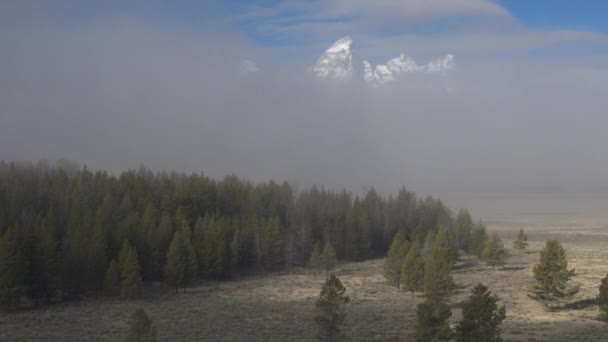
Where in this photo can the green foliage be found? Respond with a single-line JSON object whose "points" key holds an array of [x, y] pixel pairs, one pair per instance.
{"points": [[552, 274], [444, 240], [140, 328], [432, 321], [412, 271], [479, 238], [40, 250], [315, 262], [494, 253], [393, 261], [331, 310], [130, 272], [602, 300], [272, 244], [181, 269], [13, 270], [437, 278], [111, 282], [481, 317], [328, 257], [462, 229], [521, 241]]}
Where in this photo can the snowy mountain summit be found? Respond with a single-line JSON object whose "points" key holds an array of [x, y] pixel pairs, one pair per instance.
{"points": [[337, 63]]}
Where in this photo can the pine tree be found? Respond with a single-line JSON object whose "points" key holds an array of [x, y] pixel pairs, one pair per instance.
{"points": [[552, 274], [437, 278], [444, 240], [603, 300], [394, 259], [272, 244], [328, 258], [181, 269], [42, 264], [140, 328], [494, 253], [111, 281], [432, 321], [412, 271], [521, 242], [130, 272], [315, 262], [331, 310], [429, 241], [462, 229], [479, 237], [13, 270], [481, 317]]}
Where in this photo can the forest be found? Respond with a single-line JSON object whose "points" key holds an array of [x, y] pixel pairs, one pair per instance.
{"points": [[69, 232]]}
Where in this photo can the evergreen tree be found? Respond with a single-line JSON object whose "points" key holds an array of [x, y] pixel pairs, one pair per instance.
{"points": [[603, 300], [315, 262], [13, 270], [42, 264], [444, 240], [216, 249], [429, 241], [412, 271], [552, 274], [111, 281], [331, 310], [432, 321], [394, 259], [437, 278], [272, 244], [328, 258], [181, 269], [140, 328], [521, 242], [481, 317], [130, 272], [494, 253], [462, 228], [479, 237]]}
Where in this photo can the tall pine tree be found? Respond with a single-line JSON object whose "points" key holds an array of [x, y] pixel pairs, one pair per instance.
{"points": [[13, 270], [432, 321], [552, 274], [481, 317], [130, 272], [394, 259], [412, 271], [181, 269], [331, 310]]}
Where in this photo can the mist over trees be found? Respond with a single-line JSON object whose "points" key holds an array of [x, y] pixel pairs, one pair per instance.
{"points": [[68, 232]]}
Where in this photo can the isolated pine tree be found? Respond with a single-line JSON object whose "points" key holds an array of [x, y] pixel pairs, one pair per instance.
{"points": [[394, 259], [328, 258], [437, 278], [521, 241], [331, 310], [13, 270], [315, 263], [111, 281], [603, 300], [130, 272], [481, 317], [412, 271], [432, 321], [140, 328], [552, 274], [494, 253]]}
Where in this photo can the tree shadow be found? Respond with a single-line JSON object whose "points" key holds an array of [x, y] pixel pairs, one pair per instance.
{"points": [[577, 305]]}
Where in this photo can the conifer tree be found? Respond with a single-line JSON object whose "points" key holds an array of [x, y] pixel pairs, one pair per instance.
{"points": [[521, 242], [394, 259], [429, 241], [481, 317], [432, 321], [181, 269], [130, 272], [437, 278], [444, 240], [42, 264], [315, 262], [13, 270], [462, 229], [603, 300], [479, 237], [111, 281], [494, 253], [140, 328], [331, 310], [328, 258], [552, 274], [412, 271], [272, 244]]}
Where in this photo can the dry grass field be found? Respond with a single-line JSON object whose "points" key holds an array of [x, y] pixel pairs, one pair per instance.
{"points": [[279, 307]]}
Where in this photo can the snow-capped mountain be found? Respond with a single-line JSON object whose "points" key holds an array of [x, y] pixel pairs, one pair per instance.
{"points": [[337, 63]]}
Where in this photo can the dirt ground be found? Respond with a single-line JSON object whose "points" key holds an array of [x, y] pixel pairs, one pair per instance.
{"points": [[280, 307]]}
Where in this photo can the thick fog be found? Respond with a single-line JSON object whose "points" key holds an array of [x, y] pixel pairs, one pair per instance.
{"points": [[120, 94]]}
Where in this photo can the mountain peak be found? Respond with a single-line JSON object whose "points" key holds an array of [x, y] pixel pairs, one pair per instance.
{"points": [[337, 61]]}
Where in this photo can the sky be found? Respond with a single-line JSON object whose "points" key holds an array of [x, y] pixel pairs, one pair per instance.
{"points": [[118, 84]]}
